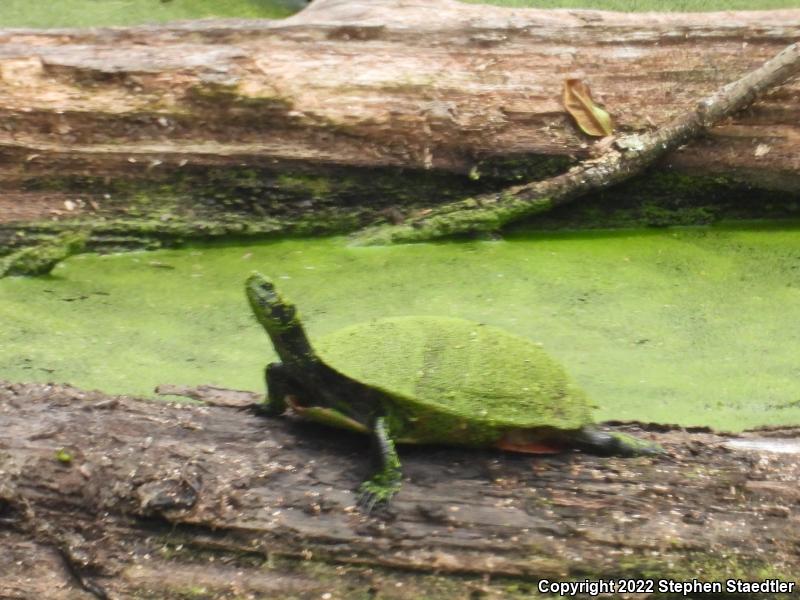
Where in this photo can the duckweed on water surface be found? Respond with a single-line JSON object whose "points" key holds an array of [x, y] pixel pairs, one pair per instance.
{"points": [[695, 326], [91, 13], [647, 5], [95, 13]]}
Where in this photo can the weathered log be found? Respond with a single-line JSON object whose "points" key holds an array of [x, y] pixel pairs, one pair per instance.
{"points": [[335, 117], [120, 498], [628, 157]]}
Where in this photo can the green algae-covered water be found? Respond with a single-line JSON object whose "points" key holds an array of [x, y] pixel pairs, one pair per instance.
{"points": [[90, 13], [696, 326]]}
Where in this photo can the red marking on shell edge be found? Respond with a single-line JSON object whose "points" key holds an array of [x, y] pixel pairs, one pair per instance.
{"points": [[531, 447]]}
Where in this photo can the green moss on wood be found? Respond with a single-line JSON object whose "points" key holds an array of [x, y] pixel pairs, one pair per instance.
{"points": [[169, 205], [41, 258]]}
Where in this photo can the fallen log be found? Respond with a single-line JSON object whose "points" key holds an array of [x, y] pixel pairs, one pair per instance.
{"points": [[628, 157], [352, 110], [118, 498]]}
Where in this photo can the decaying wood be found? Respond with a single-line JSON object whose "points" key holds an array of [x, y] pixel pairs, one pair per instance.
{"points": [[160, 500], [218, 113], [630, 156]]}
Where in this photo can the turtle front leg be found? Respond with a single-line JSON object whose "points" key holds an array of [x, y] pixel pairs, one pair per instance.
{"points": [[598, 442], [385, 482], [279, 385]]}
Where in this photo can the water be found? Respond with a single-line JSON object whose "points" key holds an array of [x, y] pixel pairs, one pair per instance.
{"points": [[693, 327], [773, 445]]}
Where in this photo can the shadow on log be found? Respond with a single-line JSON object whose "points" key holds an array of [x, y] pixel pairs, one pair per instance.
{"points": [[119, 498]]}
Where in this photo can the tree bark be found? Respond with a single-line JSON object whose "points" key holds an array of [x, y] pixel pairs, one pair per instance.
{"points": [[352, 109], [119, 498]]}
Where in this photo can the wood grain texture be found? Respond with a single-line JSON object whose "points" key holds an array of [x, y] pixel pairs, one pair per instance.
{"points": [[162, 497], [386, 82]]}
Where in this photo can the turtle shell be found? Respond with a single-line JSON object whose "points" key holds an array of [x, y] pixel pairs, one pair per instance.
{"points": [[474, 372]]}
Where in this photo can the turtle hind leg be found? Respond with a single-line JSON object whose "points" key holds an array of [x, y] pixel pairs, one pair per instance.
{"points": [[279, 385], [601, 443], [385, 482]]}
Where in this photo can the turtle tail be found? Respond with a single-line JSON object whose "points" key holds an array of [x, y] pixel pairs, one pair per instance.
{"points": [[279, 319]]}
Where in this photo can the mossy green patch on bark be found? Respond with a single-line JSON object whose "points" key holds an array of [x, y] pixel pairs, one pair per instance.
{"points": [[660, 198], [317, 187], [42, 258], [169, 205], [472, 217]]}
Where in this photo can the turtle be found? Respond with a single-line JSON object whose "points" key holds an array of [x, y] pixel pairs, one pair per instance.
{"points": [[426, 380]]}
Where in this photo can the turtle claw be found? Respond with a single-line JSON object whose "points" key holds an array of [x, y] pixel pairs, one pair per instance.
{"points": [[373, 494], [615, 444], [366, 502]]}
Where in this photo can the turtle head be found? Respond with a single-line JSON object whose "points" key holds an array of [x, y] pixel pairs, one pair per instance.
{"points": [[279, 318], [272, 311]]}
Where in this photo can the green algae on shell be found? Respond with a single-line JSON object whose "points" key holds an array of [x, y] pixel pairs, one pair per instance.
{"points": [[457, 380]]}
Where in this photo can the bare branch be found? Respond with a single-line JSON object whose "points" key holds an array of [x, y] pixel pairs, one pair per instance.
{"points": [[632, 154]]}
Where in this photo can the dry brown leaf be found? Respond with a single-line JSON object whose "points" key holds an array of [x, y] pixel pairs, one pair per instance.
{"points": [[592, 119], [762, 150]]}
